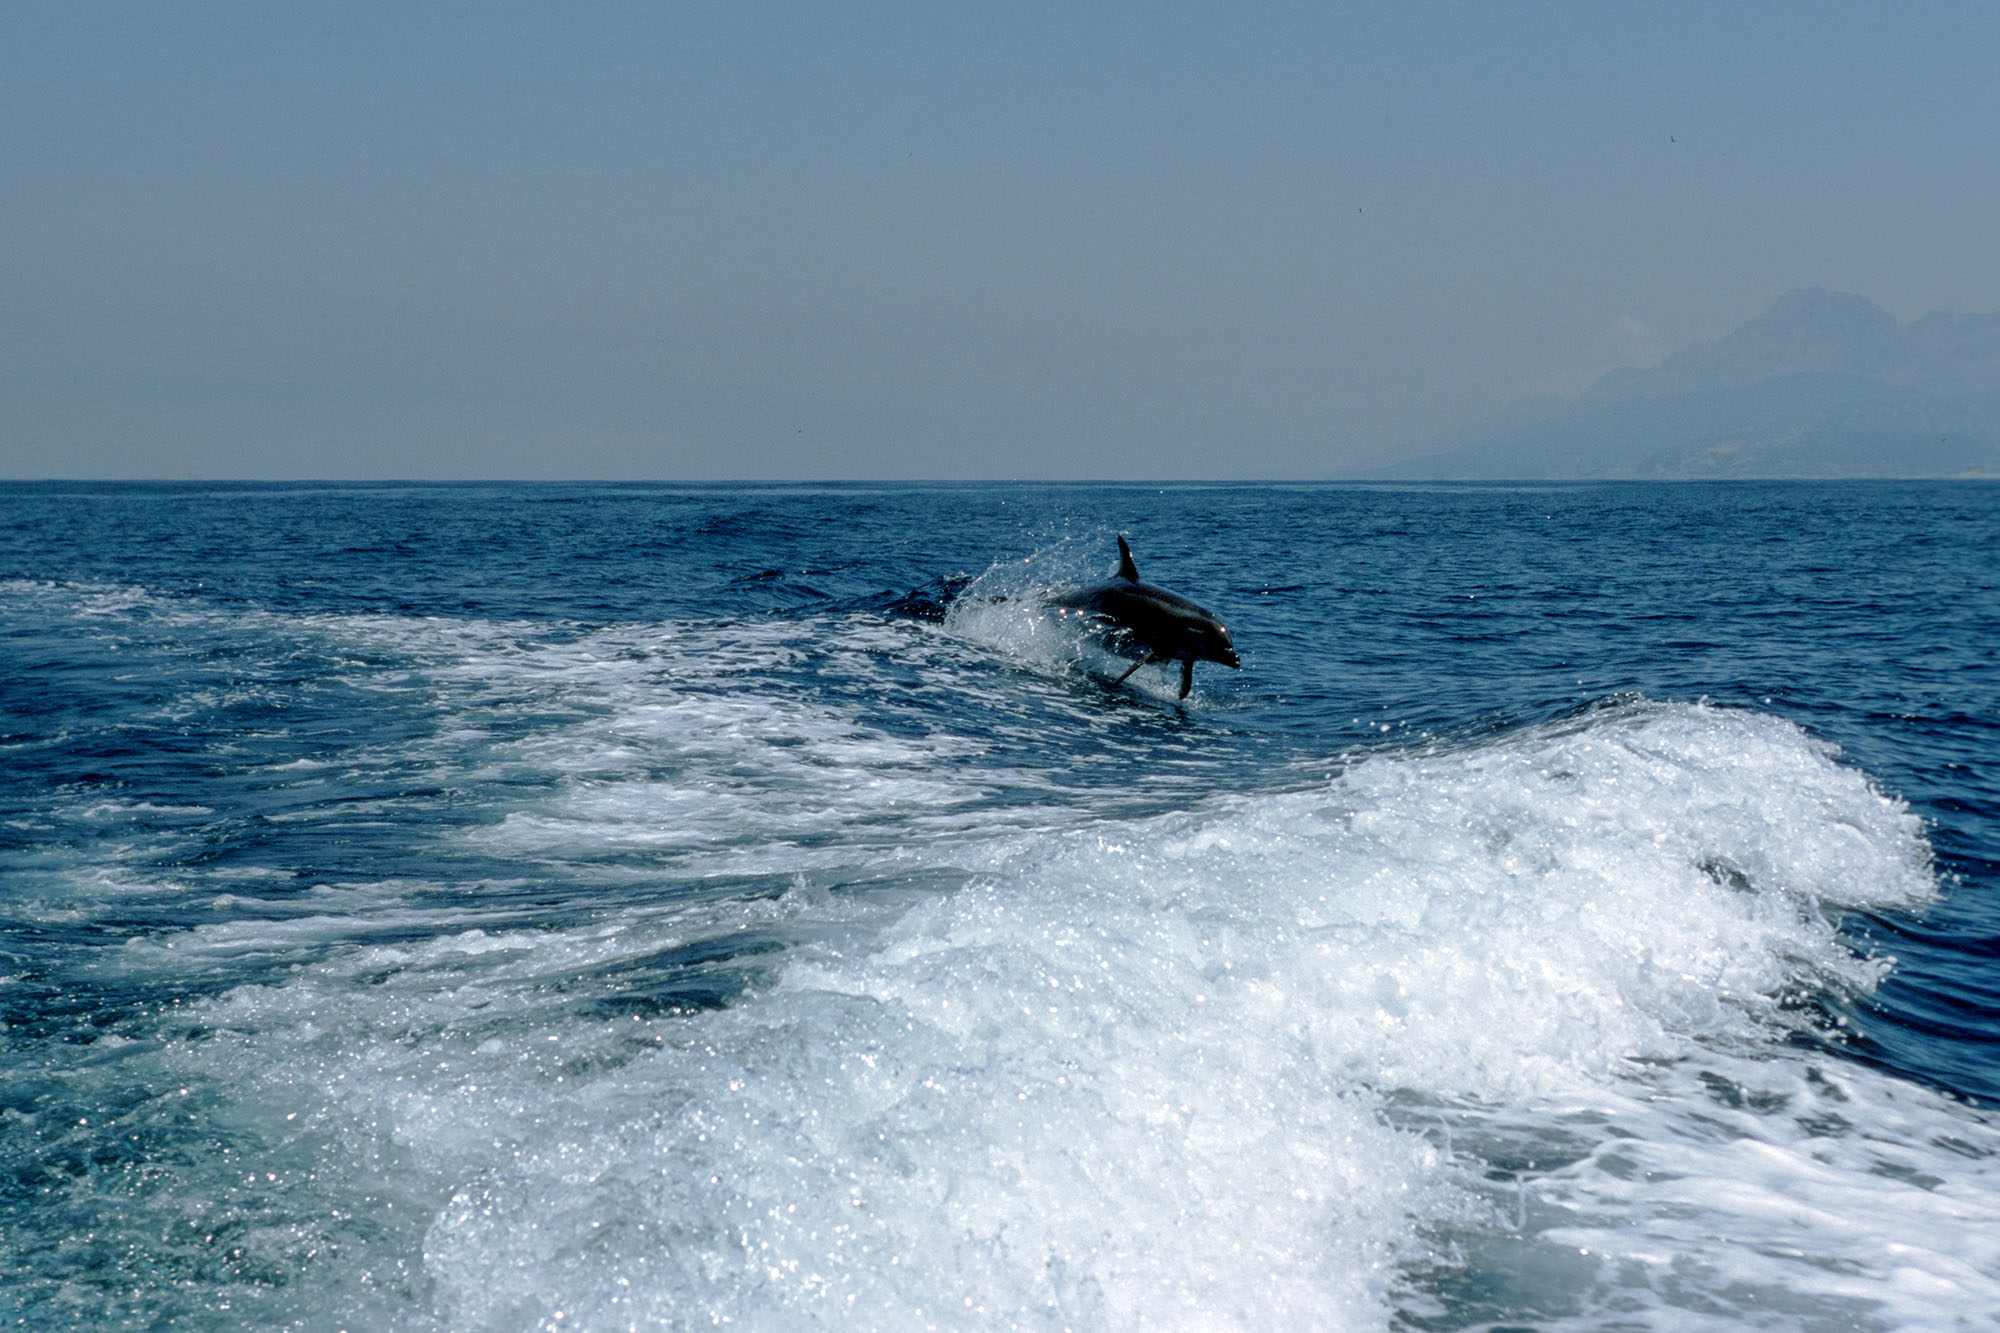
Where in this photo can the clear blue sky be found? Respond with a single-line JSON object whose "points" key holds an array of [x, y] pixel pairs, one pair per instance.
{"points": [[742, 240]]}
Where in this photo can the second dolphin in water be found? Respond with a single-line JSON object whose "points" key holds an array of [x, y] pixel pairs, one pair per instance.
{"points": [[1139, 620]]}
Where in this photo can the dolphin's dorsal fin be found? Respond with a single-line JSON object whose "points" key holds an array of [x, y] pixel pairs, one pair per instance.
{"points": [[1126, 569]]}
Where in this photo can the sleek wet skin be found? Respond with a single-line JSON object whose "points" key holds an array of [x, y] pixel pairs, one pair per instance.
{"points": [[1151, 623]]}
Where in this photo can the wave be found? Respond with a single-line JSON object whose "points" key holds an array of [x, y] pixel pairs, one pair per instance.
{"points": [[737, 971], [1508, 1027]]}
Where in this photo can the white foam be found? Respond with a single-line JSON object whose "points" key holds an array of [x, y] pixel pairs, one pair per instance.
{"points": [[1248, 1065], [1787, 1192], [1257, 1063], [679, 762]]}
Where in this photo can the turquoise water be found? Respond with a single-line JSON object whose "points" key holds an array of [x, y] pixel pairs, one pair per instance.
{"points": [[587, 906]]}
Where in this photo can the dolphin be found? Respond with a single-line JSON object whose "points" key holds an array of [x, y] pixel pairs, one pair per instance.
{"points": [[1138, 619]]}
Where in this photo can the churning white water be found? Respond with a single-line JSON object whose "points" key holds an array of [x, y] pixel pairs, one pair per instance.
{"points": [[1309, 1058]]}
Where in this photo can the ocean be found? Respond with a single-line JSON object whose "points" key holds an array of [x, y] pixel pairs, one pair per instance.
{"points": [[628, 906]]}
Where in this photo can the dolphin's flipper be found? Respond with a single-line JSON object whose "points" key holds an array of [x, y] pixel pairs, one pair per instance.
{"points": [[1129, 670], [1126, 569], [1187, 676]]}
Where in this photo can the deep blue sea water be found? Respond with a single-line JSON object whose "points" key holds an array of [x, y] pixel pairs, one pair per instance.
{"points": [[496, 907]]}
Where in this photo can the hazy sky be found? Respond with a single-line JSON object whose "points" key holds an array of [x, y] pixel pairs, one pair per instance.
{"points": [[936, 240]]}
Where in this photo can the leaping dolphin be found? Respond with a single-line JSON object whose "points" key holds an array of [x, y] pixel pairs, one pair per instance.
{"points": [[1138, 619]]}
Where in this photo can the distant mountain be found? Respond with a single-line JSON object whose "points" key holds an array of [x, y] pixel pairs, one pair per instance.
{"points": [[1823, 384]]}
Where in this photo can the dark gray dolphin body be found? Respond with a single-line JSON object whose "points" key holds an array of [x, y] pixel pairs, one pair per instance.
{"points": [[1139, 620]]}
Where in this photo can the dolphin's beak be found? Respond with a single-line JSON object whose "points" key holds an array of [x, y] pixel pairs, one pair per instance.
{"points": [[1229, 658]]}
